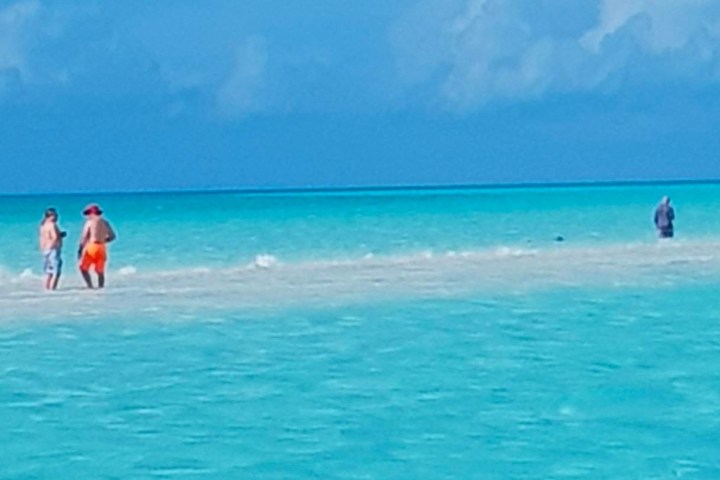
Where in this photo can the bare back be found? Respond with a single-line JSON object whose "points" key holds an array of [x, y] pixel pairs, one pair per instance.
{"points": [[97, 230], [49, 236]]}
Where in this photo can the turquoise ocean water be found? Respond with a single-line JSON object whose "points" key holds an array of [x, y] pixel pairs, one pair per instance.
{"points": [[419, 334]]}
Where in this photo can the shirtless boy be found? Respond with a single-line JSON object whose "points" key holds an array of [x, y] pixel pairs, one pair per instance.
{"points": [[51, 246], [96, 234]]}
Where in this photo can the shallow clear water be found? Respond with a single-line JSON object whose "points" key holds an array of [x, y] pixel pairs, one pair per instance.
{"points": [[571, 383], [470, 348]]}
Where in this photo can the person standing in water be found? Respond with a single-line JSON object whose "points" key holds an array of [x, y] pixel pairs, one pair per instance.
{"points": [[96, 234], [51, 247], [664, 217]]}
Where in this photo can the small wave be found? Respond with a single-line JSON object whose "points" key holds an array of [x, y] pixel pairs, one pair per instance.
{"points": [[514, 252], [264, 261], [27, 273], [25, 276], [129, 270]]}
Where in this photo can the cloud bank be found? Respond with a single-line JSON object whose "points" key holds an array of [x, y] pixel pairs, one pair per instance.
{"points": [[475, 51], [34, 46], [234, 60], [14, 21]]}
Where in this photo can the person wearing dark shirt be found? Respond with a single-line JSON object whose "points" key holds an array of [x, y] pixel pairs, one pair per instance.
{"points": [[664, 217]]}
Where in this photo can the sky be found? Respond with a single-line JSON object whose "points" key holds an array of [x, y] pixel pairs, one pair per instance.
{"points": [[125, 95]]}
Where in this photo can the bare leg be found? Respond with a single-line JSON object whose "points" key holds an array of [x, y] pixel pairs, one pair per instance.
{"points": [[86, 276], [101, 280], [48, 282], [55, 282]]}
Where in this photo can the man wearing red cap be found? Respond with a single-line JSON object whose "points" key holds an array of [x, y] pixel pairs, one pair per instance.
{"points": [[96, 234]]}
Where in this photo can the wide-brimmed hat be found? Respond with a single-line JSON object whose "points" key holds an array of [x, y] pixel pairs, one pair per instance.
{"points": [[92, 209]]}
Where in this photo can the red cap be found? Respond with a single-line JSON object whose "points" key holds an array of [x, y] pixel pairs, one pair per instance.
{"points": [[92, 209]]}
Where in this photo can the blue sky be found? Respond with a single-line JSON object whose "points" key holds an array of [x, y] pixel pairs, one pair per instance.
{"points": [[175, 94]]}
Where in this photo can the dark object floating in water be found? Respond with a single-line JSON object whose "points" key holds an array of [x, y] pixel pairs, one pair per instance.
{"points": [[559, 238]]}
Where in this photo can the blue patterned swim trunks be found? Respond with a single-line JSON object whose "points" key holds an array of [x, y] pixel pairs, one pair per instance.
{"points": [[52, 263]]}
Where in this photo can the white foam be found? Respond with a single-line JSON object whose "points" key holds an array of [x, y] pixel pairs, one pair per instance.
{"points": [[26, 276], [264, 261], [27, 273], [129, 270], [514, 252]]}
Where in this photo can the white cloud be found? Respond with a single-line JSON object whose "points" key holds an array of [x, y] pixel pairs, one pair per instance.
{"points": [[475, 51], [29, 35], [667, 24], [613, 16], [244, 90], [14, 21]]}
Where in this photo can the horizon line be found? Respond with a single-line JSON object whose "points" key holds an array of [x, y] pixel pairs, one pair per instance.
{"points": [[373, 188]]}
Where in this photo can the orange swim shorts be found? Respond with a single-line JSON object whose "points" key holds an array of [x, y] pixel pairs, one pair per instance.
{"points": [[94, 255]]}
